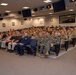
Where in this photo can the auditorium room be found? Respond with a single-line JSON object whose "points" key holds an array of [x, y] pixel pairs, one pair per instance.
{"points": [[37, 37]]}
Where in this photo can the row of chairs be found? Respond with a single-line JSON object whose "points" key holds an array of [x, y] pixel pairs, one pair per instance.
{"points": [[65, 46], [32, 47]]}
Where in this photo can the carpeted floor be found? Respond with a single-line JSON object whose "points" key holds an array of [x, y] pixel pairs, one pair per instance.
{"points": [[12, 64], [62, 52]]}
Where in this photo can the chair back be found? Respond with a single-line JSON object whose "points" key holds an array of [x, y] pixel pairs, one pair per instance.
{"points": [[33, 42]]}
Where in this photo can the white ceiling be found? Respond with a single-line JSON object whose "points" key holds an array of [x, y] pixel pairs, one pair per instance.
{"points": [[16, 5]]}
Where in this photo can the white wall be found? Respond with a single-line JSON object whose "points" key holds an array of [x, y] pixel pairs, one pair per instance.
{"points": [[8, 23], [51, 20], [37, 21], [55, 21], [17, 22]]}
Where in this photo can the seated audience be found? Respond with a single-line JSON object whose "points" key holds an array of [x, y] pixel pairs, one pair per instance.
{"points": [[47, 39], [21, 45]]}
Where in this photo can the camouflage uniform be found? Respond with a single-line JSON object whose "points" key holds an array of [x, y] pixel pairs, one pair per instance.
{"points": [[64, 38], [40, 44], [55, 40], [47, 43], [52, 40]]}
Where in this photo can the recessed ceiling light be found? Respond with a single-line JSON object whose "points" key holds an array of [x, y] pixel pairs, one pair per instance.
{"points": [[7, 11], [71, 10], [32, 12], [72, 0], [68, 16], [66, 7], [33, 15], [50, 13], [25, 7], [47, 1], [4, 4]]}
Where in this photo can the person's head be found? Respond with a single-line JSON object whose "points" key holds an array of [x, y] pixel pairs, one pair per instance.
{"points": [[71, 29], [18, 33], [34, 33], [9, 33], [13, 33], [25, 34], [55, 34], [62, 33], [40, 34], [47, 34], [74, 28]]}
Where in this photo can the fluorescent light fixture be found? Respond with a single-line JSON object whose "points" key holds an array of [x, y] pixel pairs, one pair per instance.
{"points": [[7, 11], [71, 10], [33, 15], [50, 13], [73, 0], [32, 12], [16, 17], [47, 1], [25, 7], [4, 4], [66, 7], [68, 16]]}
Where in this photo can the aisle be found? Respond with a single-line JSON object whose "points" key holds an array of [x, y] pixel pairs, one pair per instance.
{"points": [[12, 64]]}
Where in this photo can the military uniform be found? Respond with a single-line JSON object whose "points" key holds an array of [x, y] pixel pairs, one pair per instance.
{"points": [[47, 43], [24, 41], [51, 40], [74, 34], [55, 42], [74, 38], [34, 36], [40, 44], [64, 38], [64, 41], [70, 35]]}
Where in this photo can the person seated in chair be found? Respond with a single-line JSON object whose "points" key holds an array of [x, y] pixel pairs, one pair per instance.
{"points": [[7, 39], [40, 43], [21, 45], [34, 35], [50, 45], [55, 41], [47, 40], [74, 36], [4, 36], [70, 34], [1, 35], [64, 39], [14, 41]]}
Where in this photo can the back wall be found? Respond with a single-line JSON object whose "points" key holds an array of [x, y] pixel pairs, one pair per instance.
{"points": [[35, 21]]}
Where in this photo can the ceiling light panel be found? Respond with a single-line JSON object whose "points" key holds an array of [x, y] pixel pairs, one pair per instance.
{"points": [[33, 15], [47, 1], [71, 10], [50, 13], [25, 7], [4, 4], [7, 11]]}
